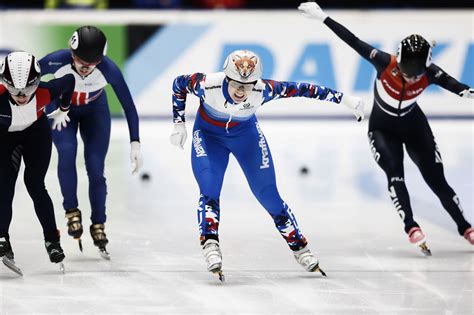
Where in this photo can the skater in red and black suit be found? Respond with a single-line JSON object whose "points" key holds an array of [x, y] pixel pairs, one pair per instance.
{"points": [[397, 120], [26, 134]]}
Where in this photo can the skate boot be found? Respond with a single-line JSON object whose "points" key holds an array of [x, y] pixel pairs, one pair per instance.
{"points": [[55, 253], [469, 235], [74, 225], [417, 238], [6, 248], [213, 256], [306, 259], [100, 239], [6, 253]]}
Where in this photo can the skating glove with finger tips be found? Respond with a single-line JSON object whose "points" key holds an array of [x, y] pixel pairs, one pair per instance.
{"points": [[355, 104], [313, 11], [467, 93], [60, 119], [136, 156], [179, 135]]}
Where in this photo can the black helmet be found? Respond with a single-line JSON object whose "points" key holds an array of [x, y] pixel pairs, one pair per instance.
{"points": [[414, 55], [89, 44], [20, 73]]}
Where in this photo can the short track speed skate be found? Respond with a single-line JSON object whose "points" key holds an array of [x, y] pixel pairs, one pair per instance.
{"points": [[74, 225], [307, 260], [213, 256], [56, 254], [469, 235], [417, 238], [6, 253], [100, 239]]}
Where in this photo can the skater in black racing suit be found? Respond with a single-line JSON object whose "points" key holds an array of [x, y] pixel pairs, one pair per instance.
{"points": [[397, 120]]}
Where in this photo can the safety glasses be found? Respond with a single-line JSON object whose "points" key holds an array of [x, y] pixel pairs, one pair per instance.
{"points": [[82, 64], [247, 87], [27, 91]]}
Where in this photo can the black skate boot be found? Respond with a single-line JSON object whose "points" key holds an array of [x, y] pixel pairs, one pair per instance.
{"points": [[55, 253], [100, 239], [6, 253], [6, 248], [74, 225]]}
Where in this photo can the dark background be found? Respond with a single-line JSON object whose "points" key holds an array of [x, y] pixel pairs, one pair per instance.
{"points": [[257, 4]]}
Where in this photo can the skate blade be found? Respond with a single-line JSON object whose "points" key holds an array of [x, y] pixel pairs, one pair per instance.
{"points": [[104, 254], [61, 268], [217, 270], [425, 250], [10, 264], [79, 241], [317, 269], [220, 274]]}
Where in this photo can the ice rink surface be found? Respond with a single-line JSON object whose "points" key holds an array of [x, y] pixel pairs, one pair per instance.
{"points": [[342, 207]]}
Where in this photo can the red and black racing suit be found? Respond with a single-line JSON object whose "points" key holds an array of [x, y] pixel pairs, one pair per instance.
{"points": [[397, 120]]}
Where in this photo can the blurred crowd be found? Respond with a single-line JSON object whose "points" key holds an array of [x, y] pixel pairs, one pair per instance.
{"points": [[227, 4]]}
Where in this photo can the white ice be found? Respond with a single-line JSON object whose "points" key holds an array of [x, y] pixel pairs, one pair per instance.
{"points": [[342, 207]]}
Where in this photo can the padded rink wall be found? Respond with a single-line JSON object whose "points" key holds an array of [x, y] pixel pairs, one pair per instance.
{"points": [[154, 47]]}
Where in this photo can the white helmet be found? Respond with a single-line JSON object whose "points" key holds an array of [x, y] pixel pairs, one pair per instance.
{"points": [[243, 66], [20, 73]]}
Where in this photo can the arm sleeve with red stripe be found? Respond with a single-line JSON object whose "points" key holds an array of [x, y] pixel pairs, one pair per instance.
{"points": [[281, 89]]}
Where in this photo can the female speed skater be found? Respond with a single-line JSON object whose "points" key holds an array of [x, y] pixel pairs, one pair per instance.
{"points": [[25, 134], [397, 120], [226, 123], [86, 59]]}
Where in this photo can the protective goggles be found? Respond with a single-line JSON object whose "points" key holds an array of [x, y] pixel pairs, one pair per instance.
{"points": [[27, 91], [82, 64], [240, 85]]}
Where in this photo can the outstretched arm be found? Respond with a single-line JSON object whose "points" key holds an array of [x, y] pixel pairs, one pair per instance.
{"points": [[280, 89], [378, 58], [438, 76]]}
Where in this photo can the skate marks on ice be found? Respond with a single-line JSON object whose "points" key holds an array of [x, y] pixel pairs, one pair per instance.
{"points": [[371, 269]]}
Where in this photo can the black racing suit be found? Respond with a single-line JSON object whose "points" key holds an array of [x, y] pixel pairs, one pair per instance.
{"points": [[25, 133], [397, 120]]}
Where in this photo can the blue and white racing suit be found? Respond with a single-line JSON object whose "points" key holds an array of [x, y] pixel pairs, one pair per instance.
{"points": [[223, 127]]}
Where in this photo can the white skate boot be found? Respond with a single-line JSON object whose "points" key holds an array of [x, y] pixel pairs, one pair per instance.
{"points": [[213, 256], [306, 259]]}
